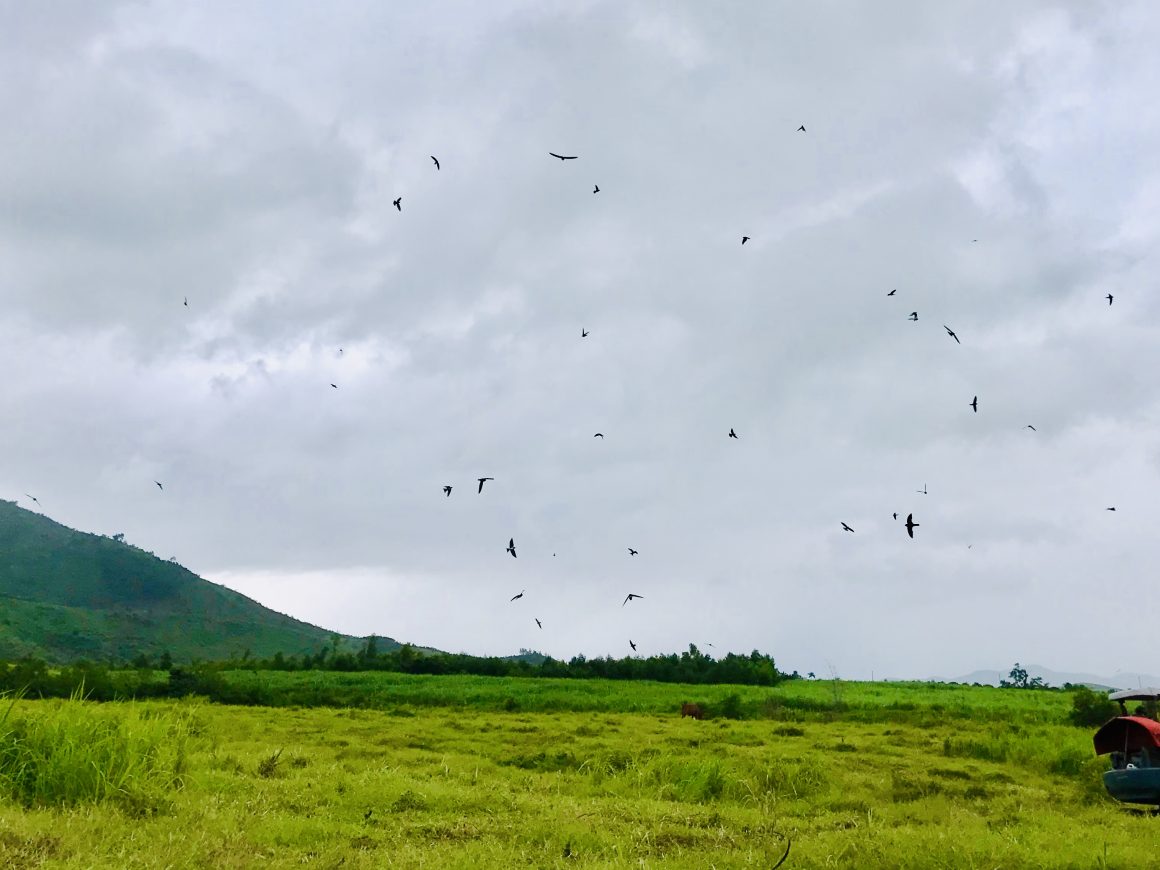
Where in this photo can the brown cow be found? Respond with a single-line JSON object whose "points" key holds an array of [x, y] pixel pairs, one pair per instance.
{"points": [[693, 710]]}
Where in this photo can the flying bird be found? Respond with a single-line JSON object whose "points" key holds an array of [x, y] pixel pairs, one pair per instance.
{"points": [[1109, 297], [801, 129], [744, 239], [521, 595], [159, 486], [847, 528], [629, 597], [481, 480], [398, 203], [436, 161], [923, 490], [447, 491], [1110, 509], [511, 547], [632, 552], [185, 301], [583, 332], [539, 624], [34, 498], [596, 188], [562, 157], [733, 434], [896, 515], [598, 435], [951, 333], [633, 645], [913, 315], [335, 386], [911, 525], [892, 292], [1032, 428], [975, 404]]}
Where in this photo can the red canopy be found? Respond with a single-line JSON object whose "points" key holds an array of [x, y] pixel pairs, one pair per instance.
{"points": [[1127, 733]]}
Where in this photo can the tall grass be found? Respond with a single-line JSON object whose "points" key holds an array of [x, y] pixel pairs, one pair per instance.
{"points": [[63, 753]]}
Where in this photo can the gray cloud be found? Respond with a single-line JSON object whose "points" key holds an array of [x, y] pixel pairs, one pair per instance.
{"points": [[247, 160]]}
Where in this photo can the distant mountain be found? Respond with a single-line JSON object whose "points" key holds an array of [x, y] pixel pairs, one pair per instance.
{"points": [[1120, 680], [67, 595]]}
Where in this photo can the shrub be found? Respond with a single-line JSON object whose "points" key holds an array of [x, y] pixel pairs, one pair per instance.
{"points": [[1091, 709], [731, 706]]}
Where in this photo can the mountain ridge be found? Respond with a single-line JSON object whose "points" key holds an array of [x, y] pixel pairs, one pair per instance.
{"points": [[67, 594]]}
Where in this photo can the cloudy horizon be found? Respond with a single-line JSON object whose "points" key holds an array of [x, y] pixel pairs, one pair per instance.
{"points": [[996, 169]]}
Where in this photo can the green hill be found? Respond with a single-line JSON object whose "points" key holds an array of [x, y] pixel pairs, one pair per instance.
{"points": [[67, 595]]}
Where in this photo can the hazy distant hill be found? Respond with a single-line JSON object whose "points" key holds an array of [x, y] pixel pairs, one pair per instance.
{"points": [[66, 595], [1121, 680]]}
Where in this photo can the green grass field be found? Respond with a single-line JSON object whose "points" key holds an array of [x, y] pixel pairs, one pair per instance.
{"points": [[447, 773]]}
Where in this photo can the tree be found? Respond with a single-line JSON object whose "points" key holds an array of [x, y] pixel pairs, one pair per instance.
{"points": [[1018, 678]]}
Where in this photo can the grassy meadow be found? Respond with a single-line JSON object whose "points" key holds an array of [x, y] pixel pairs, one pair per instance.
{"points": [[475, 772]]}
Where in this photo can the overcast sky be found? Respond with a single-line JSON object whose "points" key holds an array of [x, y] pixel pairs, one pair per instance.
{"points": [[245, 156]]}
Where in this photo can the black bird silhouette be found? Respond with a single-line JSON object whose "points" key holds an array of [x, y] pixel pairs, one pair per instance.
{"points": [[583, 332], [185, 301], [596, 188], [436, 161], [34, 498], [846, 527], [1109, 297], [1110, 509], [539, 624], [781, 860], [562, 157], [744, 239], [447, 491], [398, 203], [913, 315], [911, 525], [632, 552], [801, 129], [629, 597], [159, 486], [896, 515], [1032, 428], [633, 645], [733, 434], [511, 547], [951, 333], [892, 292], [481, 480], [598, 435], [975, 404], [335, 386], [923, 490], [521, 595]]}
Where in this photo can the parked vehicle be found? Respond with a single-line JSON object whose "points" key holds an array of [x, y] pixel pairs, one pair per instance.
{"points": [[1133, 742]]}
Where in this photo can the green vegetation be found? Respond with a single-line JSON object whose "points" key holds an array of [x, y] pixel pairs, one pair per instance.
{"points": [[66, 595], [887, 776], [62, 753]]}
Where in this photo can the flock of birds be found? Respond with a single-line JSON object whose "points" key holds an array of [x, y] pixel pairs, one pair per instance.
{"points": [[910, 525]]}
